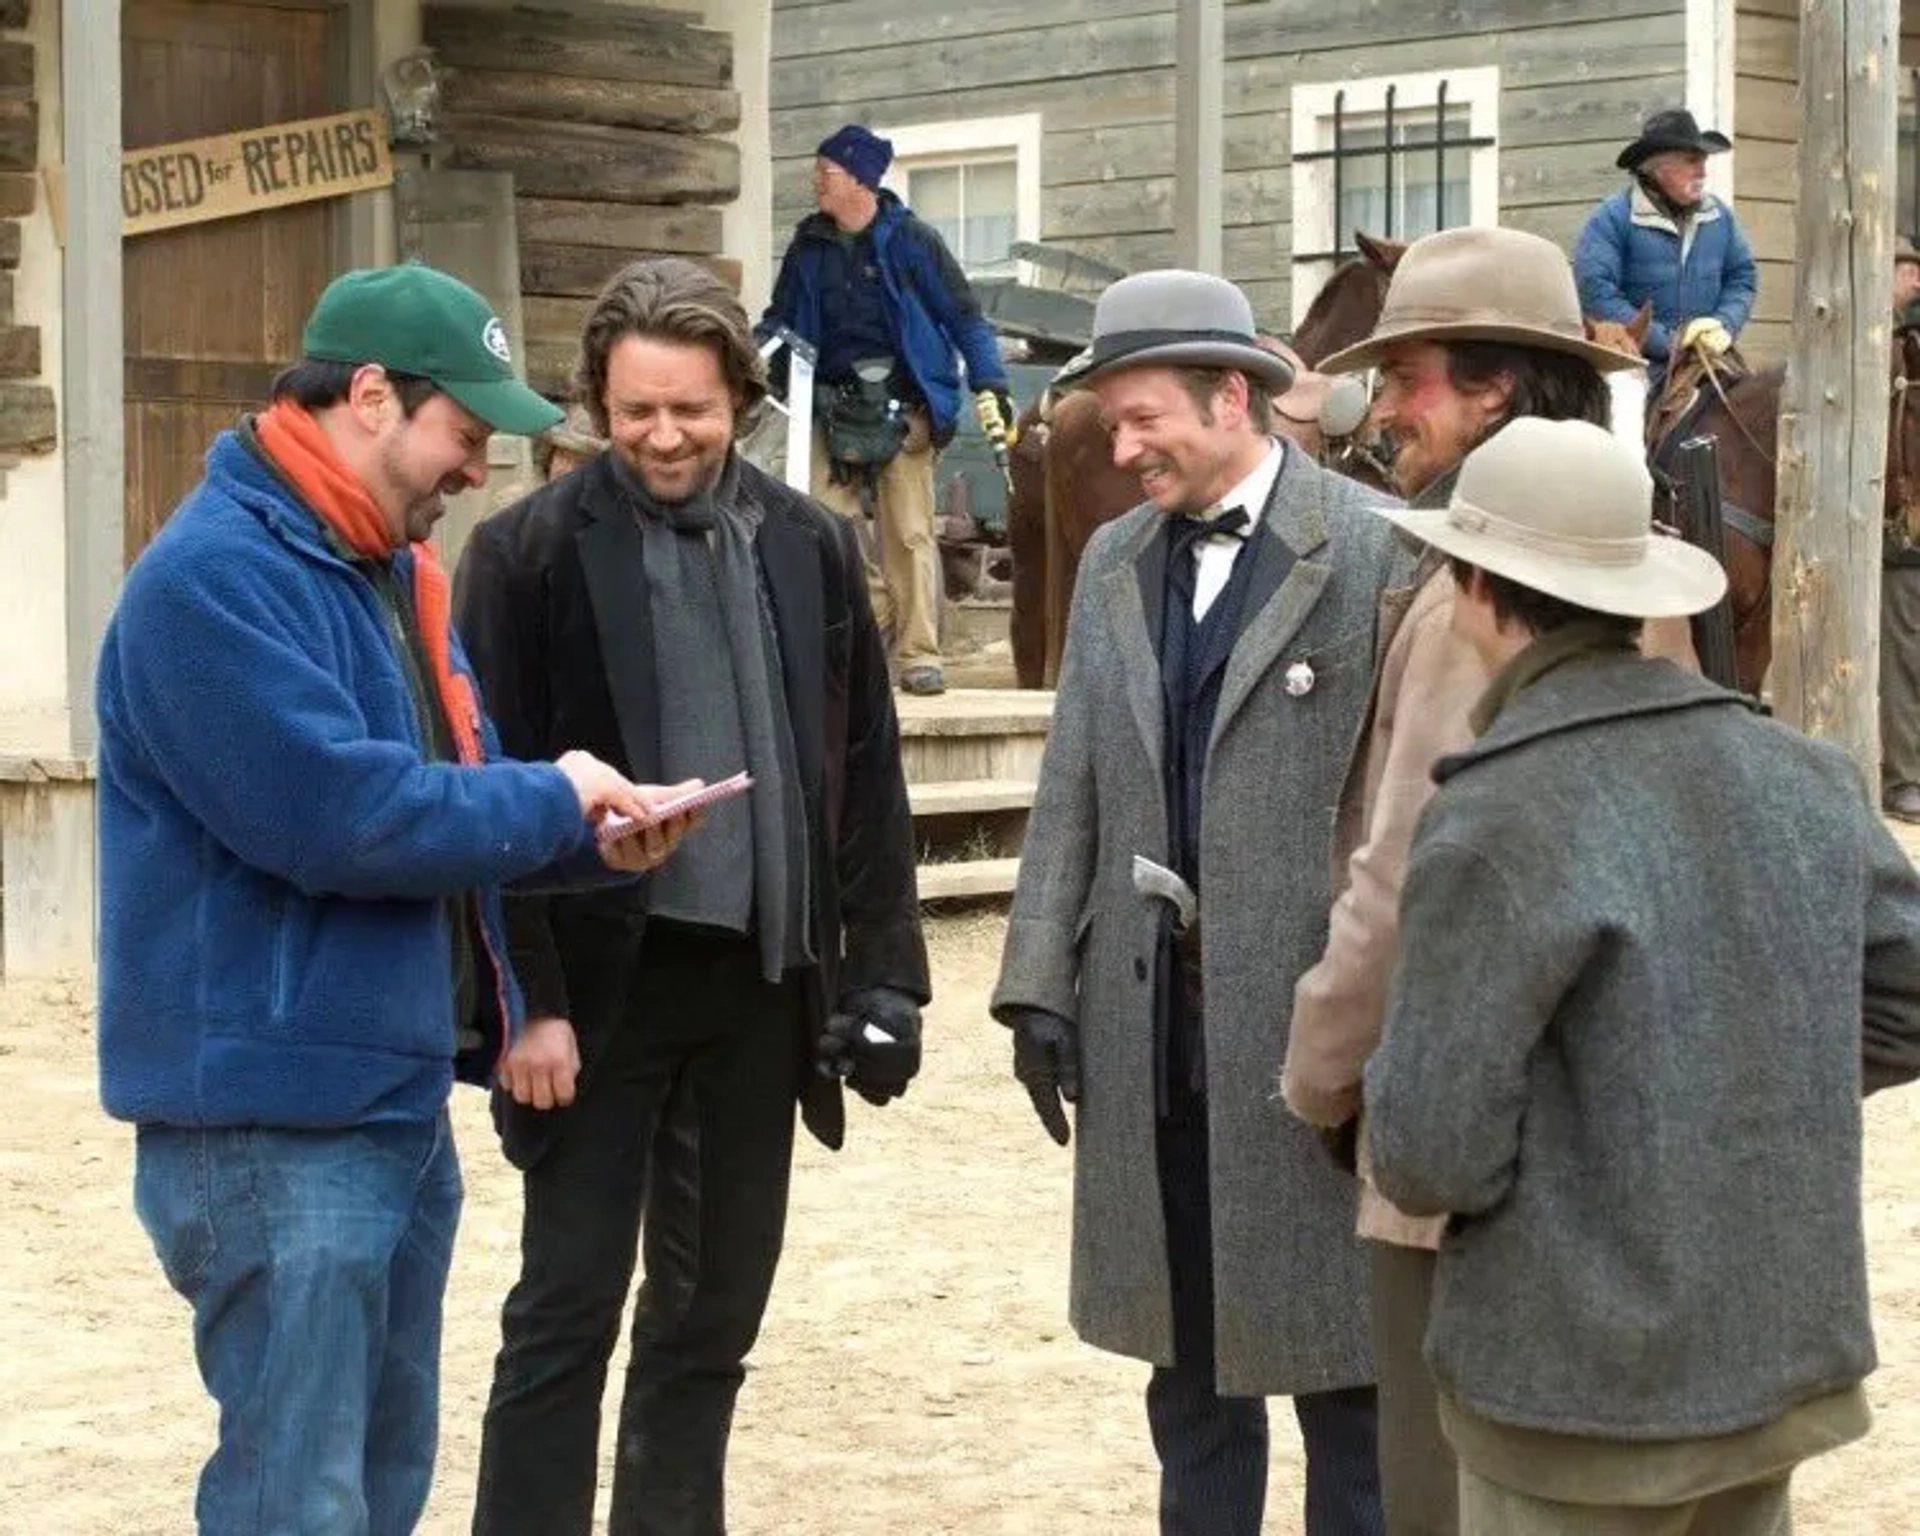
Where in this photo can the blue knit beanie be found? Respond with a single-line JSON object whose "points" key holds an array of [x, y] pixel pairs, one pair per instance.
{"points": [[860, 152]]}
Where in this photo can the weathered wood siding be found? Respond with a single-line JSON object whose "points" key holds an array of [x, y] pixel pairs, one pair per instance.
{"points": [[1576, 77], [1905, 221], [1766, 162]]}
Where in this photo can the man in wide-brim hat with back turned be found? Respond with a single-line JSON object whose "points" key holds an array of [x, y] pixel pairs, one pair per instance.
{"points": [[1639, 1109]]}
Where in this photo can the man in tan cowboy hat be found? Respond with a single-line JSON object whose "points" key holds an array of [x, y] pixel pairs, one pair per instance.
{"points": [[1666, 240], [1642, 1113], [1215, 672], [1480, 328]]}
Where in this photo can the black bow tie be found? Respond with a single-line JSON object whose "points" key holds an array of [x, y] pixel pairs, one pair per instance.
{"points": [[1187, 529]]}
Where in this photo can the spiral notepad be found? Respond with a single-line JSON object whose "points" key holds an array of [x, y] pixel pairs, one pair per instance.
{"points": [[617, 826]]}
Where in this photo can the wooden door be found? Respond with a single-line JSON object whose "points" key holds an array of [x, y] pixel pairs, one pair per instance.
{"points": [[214, 310]]}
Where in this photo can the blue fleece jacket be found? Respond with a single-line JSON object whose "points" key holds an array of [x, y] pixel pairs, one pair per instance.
{"points": [[1629, 252], [930, 306], [276, 846]]}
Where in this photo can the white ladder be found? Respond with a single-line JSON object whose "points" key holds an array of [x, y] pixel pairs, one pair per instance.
{"points": [[797, 467]]}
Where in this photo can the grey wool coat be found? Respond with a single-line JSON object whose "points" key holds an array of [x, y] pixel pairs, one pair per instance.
{"points": [[1653, 946], [1290, 1292]]}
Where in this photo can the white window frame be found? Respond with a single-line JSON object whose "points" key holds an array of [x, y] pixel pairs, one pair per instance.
{"points": [[1476, 88], [1711, 65], [933, 145]]}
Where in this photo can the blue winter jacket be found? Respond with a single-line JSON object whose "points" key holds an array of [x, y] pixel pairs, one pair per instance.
{"points": [[930, 306], [1629, 252], [276, 846]]}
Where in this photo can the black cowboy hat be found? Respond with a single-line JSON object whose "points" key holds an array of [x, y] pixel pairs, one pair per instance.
{"points": [[1671, 128]]}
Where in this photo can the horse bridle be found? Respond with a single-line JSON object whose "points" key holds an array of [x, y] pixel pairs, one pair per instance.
{"points": [[1734, 519]]}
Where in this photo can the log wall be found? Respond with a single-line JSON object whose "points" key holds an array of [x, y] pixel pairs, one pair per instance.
{"points": [[605, 116]]}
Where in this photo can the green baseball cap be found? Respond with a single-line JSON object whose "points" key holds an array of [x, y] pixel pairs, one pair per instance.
{"points": [[414, 319]]}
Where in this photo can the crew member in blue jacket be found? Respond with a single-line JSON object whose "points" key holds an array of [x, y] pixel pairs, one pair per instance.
{"points": [[302, 831], [1666, 240], [863, 279]]}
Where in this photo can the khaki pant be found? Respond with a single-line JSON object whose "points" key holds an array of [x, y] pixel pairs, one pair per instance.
{"points": [[1899, 675], [903, 582], [1418, 1475], [1753, 1509]]}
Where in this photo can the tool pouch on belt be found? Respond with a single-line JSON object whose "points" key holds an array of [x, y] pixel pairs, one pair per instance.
{"points": [[865, 424]]}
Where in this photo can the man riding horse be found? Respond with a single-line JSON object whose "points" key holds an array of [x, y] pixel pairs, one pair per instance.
{"points": [[1668, 241]]}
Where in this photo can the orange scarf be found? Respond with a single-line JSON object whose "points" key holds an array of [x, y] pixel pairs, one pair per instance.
{"points": [[300, 448]]}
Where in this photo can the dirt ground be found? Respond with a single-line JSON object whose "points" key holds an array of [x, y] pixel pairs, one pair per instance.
{"points": [[916, 1374]]}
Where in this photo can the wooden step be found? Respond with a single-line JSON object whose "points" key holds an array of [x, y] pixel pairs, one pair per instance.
{"points": [[968, 877], [974, 734], [962, 797], [976, 712], [974, 622]]}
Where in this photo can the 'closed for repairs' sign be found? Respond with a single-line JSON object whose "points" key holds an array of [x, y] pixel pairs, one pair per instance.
{"points": [[168, 185]]}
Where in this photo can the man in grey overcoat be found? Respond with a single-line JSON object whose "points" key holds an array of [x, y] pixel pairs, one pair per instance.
{"points": [[1217, 666], [1653, 948]]}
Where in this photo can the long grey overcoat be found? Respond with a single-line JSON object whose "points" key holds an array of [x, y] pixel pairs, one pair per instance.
{"points": [[1290, 1294]]}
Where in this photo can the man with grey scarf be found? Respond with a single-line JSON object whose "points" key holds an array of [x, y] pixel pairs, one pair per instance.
{"points": [[669, 604]]}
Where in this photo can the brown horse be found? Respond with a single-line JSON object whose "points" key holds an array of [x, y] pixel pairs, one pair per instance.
{"points": [[1742, 413], [1348, 304]]}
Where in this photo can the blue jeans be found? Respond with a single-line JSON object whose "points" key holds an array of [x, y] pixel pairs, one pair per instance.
{"points": [[316, 1265]]}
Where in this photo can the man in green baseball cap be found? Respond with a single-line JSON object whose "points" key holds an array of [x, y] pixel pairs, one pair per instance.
{"points": [[415, 320], [305, 823]]}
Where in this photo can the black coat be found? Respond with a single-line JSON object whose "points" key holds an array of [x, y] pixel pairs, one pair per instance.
{"points": [[551, 603]]}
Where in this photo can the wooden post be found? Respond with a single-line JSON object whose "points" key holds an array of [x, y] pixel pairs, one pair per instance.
{"points": [[1833, 414], [1198, 162], [94, 346]]}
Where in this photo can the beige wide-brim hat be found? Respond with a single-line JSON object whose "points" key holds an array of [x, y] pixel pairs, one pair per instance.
{"points": [[1566, 508], [1481, 285], [1174, 319]]}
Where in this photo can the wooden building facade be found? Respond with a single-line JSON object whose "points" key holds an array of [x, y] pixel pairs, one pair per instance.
{"points": [[623, 128], [1060, 115]]}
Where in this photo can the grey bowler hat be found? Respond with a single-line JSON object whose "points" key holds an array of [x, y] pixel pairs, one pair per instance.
{"points": [[1175, 319]]}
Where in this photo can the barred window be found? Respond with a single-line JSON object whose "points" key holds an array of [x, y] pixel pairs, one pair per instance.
{"points": [[1395, 157]]}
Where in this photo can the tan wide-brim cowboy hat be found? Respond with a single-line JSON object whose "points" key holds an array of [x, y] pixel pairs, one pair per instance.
{"points": [[1566, 508], [1481, 285], [575, 434], [1174, 319]]}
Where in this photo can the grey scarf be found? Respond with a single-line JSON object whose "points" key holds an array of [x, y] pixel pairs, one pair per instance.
{"points": [[714, 643]]}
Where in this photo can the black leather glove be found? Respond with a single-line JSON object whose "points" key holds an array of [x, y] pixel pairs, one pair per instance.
{"points": [[1046, 1060], [1342, 1143], [873, 1041]]}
